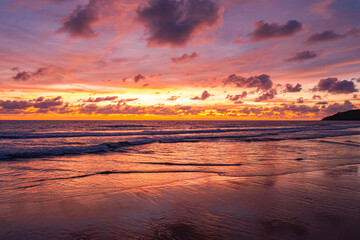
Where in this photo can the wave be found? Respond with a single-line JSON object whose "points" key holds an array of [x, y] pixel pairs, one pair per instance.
{"points": [[193, 164], [124, 172], [127, 126], [337, 169], [31, 135], [121, 146]]}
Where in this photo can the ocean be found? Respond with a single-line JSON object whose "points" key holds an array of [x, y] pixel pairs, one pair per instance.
{"points": [[179, 179]]}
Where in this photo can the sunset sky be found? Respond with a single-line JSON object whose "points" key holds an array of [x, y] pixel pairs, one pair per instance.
{"points": [[179, 59]]}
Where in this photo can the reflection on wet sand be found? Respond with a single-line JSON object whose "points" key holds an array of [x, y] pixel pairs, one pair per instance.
{"points": [[256, 190], [311, 205]]}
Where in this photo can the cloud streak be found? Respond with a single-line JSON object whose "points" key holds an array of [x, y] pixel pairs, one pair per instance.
{"points": [[265, 31], [330, 35], [302, 56], [185, 58]]}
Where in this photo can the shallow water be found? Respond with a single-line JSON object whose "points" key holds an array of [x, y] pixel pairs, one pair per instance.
{"points": [[179, 180]]}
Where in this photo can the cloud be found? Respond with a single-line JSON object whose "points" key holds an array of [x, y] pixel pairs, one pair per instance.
{"points": [[266, 96], [302, 56], [48, 103], [264, 31], [323, 36], [302, 109], [125, 100], [316, 97], [14, 105], [336, 107], [289, 88], [27, 75], [80, 22], [102, 99], [294, 111], [185, 58], [174, 23], [300, 100], [236, 98], [336, 86], [22, 76], [330, 35], [173, 98], [139, 77], [205, 95], [321, 103], [41, 105], [261, 82], [125, 109]]}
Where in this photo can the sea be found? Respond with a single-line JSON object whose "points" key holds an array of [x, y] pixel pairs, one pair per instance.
{"points": [[178, 179]]}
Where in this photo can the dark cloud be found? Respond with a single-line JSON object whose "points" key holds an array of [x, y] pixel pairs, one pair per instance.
{"points": [[125, 100], [14, 105], [41, 105], [236, 98], [297, 111], [22, 76], [316, 97], [321, 103], [48, 103], [302, 56], [173, 98], [300, 100], [336, 86], [27, 75], [79, 23], [323, 36], [264, 31], [139, 77], [330, 35], [261, 82], [175, 22], [39, 99], [336, 107], [291, 89], [102, 99], [266, 96], [205, 95], [254, 111], [185, 58]]}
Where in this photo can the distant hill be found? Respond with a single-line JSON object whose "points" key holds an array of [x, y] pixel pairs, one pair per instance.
{"points": [[353, 115]]}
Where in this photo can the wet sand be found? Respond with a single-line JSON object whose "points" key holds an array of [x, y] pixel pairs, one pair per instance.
{"points": [[311, 205]]}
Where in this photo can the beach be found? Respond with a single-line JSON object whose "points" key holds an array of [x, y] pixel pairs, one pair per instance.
{"points": [[180, 180]]}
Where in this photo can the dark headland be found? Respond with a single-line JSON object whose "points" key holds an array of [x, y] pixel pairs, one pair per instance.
{"points": [[352, 115]]}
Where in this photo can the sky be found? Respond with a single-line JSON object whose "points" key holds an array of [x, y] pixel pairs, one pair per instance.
{"points": [[179, 59]]}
